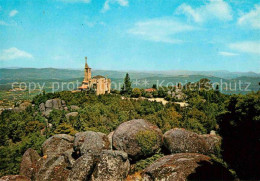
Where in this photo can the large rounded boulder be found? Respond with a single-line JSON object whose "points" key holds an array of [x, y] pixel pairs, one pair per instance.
{"points": [[57, 145], [90, 142], [138, 138], [179, 140], [185, 166]]}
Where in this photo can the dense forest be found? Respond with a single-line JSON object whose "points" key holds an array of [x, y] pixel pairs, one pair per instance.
{"points": [[234, 117]]}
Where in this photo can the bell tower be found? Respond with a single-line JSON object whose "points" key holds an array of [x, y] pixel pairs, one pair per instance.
{"points": [[87, 76]]}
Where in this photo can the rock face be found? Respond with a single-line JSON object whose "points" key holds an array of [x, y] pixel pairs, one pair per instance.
{"points": [[57, 145], [182, 141], [112, 165], [90, 142], [30, 163], [110, 139], [82, 168], [185, 166], [53, 168], [14, 178], [125, 137]]}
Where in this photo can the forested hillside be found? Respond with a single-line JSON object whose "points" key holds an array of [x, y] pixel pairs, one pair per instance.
{"points": [[235, 118]]}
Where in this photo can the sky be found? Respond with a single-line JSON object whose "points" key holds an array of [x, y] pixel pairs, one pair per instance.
{"points": [[131, 34]]}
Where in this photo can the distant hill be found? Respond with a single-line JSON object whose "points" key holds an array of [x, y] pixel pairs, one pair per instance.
{"points": [[52, 73], [221, 73], [61, 74]]}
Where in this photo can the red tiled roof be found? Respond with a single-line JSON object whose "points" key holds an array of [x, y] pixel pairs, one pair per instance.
{"points": [[150, 90]]}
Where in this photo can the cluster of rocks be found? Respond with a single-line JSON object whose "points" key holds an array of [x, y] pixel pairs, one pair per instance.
{"points": [[97, 157], [51, 104], [58, 104]]}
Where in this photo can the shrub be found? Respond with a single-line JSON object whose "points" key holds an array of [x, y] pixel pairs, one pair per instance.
{"points": [[142, 164], [136, 92], [146, 140]]}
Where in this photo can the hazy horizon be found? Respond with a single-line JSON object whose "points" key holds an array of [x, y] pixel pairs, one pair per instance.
{"points": [[132, 70]]}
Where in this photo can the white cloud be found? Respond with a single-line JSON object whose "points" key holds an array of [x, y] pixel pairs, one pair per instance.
{"points": [[160, 30], [228, 54], [13, 53], [107, 4], [76, 1], [13, 13], [214, 9], [251, 18], [246, 46]]}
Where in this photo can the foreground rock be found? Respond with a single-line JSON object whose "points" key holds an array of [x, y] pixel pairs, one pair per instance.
{"points": [[53, 168], [14, 178], [179, 140], [90, 142], [112, 166], [82, 168], [125, 137], [110, 139], [57, 145], [185, 166], [30, 163]]}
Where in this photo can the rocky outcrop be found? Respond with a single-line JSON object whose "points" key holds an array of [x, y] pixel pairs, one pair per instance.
{"points": [[22, 107], [51, 104], [185, 166], [112, 166], [30, 163], [183, 141], [88, 156], [90, 142], [125, 137], [57, 145], [71, 114], [14, 178]]}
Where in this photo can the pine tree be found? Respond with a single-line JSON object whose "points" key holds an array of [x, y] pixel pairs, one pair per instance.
{"points": [[127, 87]]}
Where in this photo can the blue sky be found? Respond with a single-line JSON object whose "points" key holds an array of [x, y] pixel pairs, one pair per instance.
{"points": [[131, 34]]}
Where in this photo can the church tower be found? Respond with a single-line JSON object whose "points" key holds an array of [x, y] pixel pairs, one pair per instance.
{"points": [[87, 76]]}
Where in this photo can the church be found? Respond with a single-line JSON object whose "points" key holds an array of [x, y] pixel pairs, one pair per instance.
{"points": [[99, 83]]}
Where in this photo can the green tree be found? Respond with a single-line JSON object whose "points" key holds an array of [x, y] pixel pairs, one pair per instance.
{"points": [[154, 86], [136, 92], [240, 130], [127, 87]]}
